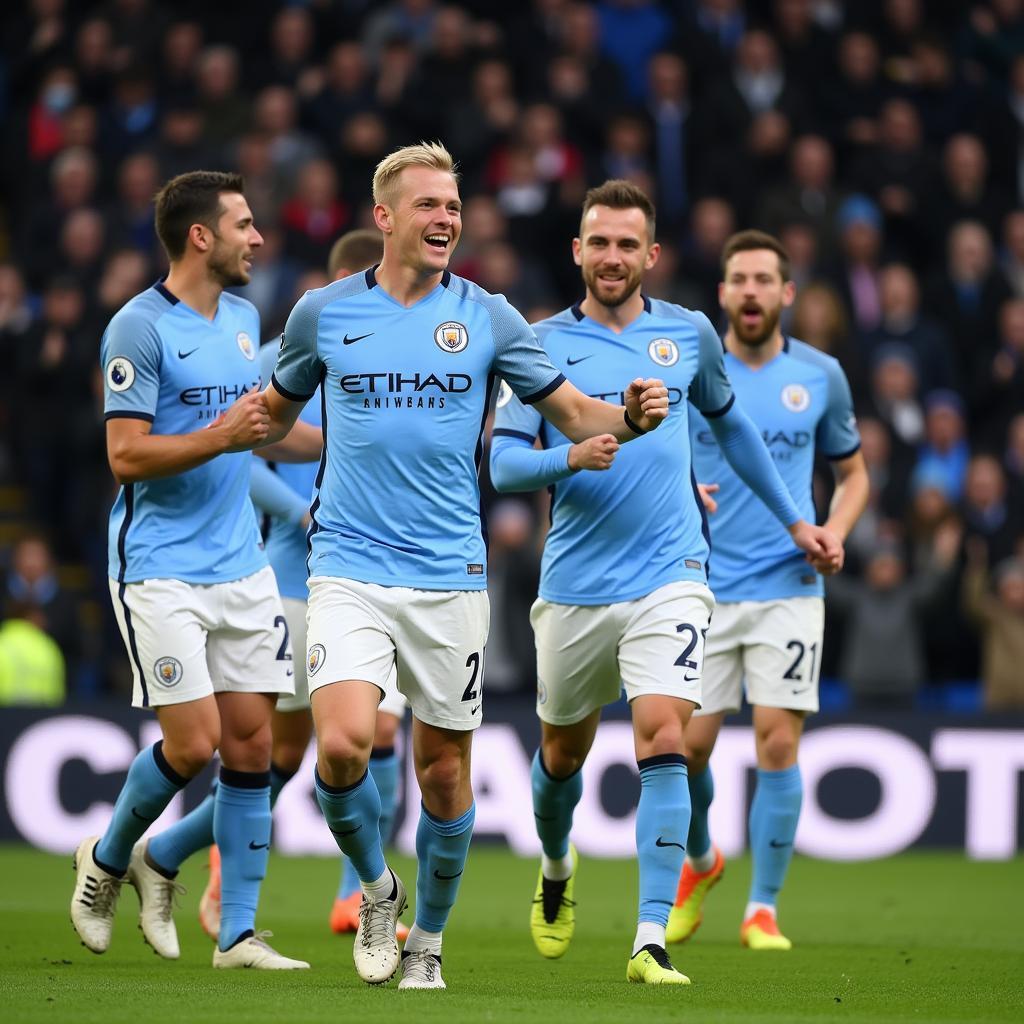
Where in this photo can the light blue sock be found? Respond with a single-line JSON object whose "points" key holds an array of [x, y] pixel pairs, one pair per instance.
{"points": [[702, 792], [441, 849], [241, 828], [662, 823], [384, 767], [774, 815], [353, 815], [194, 832], [554, 800], [150, 785]]}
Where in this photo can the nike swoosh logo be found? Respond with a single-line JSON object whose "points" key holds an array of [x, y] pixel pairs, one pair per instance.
{"points": [[446, 878], [776, 845], [352, 341], [140, 817], [690, 679], [660, 842], [290, 672], [258, 846], [573, 362], [475, 710], [185, 355], [350, 832]]}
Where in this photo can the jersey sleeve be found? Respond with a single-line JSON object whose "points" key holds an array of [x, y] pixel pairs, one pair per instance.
{"points": [[837, 434], [515, 464], [131, 356], [519, 357], [710, 390], [270, 494], [299, 367]]}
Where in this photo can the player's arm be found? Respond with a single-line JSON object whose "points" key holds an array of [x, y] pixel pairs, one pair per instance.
{"points": [[745, 451], [302, 443], [579, 417], [272, 496], [135, 453], [849, 499]]}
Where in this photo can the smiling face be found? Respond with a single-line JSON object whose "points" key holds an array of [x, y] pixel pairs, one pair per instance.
{"points": [[753, 295], [423, 226], [235, 240], [613, 251]]}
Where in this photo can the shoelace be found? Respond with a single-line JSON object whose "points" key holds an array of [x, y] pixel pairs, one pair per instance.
{"points": [[659, 956], [102, 899], [260, 938], [553, 899], [420, 963], [376, 923], [165, 900]]}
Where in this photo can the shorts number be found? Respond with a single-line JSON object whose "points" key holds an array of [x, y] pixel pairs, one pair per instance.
{"points": [[796, 645], [684, 659], [471, 692], [283, 654]]}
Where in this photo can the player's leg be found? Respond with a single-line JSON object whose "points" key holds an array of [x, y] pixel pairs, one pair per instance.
{"points": [[161, 627], [577, 674], [721, 692], [384, 766], [440, 641], [782, 666]]}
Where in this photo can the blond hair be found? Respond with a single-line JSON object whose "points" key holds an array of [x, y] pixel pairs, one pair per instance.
{"points": [[425, 154]]}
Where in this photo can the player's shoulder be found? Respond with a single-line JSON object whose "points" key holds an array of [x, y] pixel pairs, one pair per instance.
{"points": [[675, 314], [238, 304], [470, 291], [813, 358], [306, 312], [137, 322], [567, 320]]}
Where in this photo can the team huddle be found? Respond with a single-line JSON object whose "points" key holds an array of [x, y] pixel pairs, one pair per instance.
{"points": [[367, 423]]}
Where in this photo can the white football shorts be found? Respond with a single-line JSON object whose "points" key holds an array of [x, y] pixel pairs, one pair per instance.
{"points": [[435, 640], [295, 612], [771, 649], [587, 654], [189, 640]]}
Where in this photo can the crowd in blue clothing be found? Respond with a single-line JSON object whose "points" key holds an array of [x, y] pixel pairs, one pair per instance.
{"points": [[880, 140]]}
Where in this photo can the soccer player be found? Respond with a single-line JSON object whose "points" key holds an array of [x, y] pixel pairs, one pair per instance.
{"points": [[768, 627], [624, 598], [194, 597], [407, 354], [283, 493]]}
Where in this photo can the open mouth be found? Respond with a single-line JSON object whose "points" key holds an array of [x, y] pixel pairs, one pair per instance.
{"points": [[751, 315], [438, 241]]}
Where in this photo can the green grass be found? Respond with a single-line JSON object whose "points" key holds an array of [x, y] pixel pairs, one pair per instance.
{"points": [[920, 937]]}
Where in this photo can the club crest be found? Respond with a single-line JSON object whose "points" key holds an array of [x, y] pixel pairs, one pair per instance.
{"points": [[120, 374], [248, 349], [664, 351], [451, 336], [795, 397], [315, 658], [168, 671]]}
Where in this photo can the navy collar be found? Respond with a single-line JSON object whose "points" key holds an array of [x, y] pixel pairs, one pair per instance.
{"points": [[579, 314], [371, 277], [161, 289]]}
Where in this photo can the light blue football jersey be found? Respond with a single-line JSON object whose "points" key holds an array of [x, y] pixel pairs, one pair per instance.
{"points": [[622, 533], [801, 403], [287, 546], [405, 395], [165, 363]]}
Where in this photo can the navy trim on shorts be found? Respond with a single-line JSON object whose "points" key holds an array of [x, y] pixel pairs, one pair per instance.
{"points": [[122, 536]]}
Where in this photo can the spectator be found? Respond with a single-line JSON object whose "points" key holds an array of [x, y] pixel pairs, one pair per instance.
{"points": [[999, 619], [883, 658], [965, 192], [632, 31], [182, 146], [856, 274], [345, 91], [895, 392], [131, 216], [676, 135], [315, 216], [31, 664], [853, 98], [94, 60], [224, 106], [291, 52], [181, 52], [712, 221], [987, 511], [945, 452], [1012, 259], [998, 385], [275, 115]]}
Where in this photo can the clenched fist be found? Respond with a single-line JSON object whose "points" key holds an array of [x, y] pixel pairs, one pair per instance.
{"points": [[594, 453]]}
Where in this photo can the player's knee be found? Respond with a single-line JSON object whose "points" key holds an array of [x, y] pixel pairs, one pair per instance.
{"points": [[444, 779], [345, 752], [190, 755], [386, 730], [562, 758], [287, 756], [697, 758], [777, 750], [665, 737]]}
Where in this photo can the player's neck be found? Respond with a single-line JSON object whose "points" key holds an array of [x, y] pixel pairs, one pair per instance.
{"points": [[754, 355], [615, 318], [192, 285], [406, 285]]}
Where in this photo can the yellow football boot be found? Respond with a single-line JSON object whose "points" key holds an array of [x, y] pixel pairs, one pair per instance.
{"points": [[685, 917], [761, 931], [651, 966], [553, 913]]}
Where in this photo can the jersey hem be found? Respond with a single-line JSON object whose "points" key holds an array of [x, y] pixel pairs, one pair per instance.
{"points": [[618, 597], [409, 582], [198, 578]]}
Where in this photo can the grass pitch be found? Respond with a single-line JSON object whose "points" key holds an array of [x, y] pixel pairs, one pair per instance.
{"points": [[920, 937]]}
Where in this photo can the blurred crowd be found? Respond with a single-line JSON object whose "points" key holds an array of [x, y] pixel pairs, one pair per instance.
{"points": [[882, 140]]}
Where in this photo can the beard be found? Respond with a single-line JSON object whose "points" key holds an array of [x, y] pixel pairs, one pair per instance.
{"points": [[226, 268], [755, 336], [630, 283]]}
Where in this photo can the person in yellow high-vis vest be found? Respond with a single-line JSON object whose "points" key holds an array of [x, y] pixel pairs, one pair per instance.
{"points": [[31, 663]]}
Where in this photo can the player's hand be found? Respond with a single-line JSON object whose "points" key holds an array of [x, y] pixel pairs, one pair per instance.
{"points": [[647, 402], [705, 491], [246, 423], [823, 548], [594, 453]]}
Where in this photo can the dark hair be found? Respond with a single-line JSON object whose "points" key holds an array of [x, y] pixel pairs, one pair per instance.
{"points": [[192, 198], [355, 250], [748, 241], [619, 194]]}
